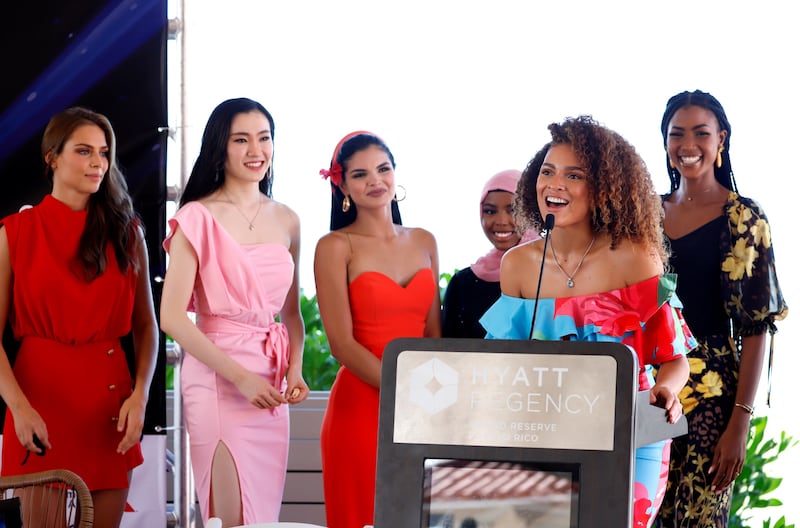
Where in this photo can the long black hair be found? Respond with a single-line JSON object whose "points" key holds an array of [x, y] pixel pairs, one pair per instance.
{"points": [[208, 172], [723, 174], [349, 148]]}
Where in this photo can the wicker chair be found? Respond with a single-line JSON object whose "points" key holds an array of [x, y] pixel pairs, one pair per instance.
{"points": [[55, 497]]}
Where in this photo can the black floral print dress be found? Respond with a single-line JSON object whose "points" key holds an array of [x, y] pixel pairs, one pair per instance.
{"points": [[746, 300]]}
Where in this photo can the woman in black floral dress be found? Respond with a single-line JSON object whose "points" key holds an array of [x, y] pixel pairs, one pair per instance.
{"points": [[722, 253]]}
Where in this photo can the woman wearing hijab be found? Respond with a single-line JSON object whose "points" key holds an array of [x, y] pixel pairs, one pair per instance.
{"points": [[473, 290]]}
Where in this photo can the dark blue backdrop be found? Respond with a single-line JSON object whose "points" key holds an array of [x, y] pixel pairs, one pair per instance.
{"points": [[109, 56]]}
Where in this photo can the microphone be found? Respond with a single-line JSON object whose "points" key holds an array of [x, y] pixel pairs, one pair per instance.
{"points": [[549, 222]]}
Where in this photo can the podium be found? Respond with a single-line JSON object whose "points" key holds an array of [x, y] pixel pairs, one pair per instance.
{"points": [[510, 433]]}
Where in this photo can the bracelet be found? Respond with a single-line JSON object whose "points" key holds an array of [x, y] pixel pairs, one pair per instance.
{"points": [[748, 408]]}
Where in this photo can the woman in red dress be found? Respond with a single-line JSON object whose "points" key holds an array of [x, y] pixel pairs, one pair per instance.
{"points": [[73, 280], [376, 281]]}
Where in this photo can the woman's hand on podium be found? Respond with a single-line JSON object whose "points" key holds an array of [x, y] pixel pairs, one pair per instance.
{"points": [[662, 396]]}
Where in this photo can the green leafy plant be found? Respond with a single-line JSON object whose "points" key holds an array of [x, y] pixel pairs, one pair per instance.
{"points": [[170, 370], [444, 280], [170, 373], [319, 366], [753, 485]]}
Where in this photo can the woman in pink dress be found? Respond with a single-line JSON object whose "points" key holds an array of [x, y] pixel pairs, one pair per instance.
{"points": [[233, 262]]}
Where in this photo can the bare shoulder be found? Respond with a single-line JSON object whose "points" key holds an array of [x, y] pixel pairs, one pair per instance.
{"points": [[636, 262], [519, 269], [332, 244], [139, 240], [138, 232], [420, 234], [331, 259], [212, 203], [523, 254], [284, 213], [281, 208], [5, 259], [3, 240]]}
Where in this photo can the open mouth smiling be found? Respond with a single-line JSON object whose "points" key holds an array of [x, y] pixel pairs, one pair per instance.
{"points": [[555, 202]]}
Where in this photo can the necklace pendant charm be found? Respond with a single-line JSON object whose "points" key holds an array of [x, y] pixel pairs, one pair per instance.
{"points": [[570, 282], [251, 227]]}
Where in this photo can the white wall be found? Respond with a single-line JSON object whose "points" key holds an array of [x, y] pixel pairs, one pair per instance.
{"points": [[463, 89]]}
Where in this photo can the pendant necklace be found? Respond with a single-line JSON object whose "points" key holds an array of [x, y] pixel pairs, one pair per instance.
{"points": [[701, 193], [570, 281], [250, 225]]}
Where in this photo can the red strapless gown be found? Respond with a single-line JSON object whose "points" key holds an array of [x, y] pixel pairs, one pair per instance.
{"points": [[382, 310]]}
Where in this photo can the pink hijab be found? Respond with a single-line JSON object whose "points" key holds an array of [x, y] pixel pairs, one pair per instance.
{"points": [[487, 267]]}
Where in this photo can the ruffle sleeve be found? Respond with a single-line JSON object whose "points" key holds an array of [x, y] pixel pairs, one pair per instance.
{"points": [[209, 244], [510, 318], [195, 222], [646, 316], [753, 298]]}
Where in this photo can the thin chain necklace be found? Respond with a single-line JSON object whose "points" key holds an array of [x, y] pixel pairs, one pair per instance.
{"points": [[250, 225], [570, 282]]}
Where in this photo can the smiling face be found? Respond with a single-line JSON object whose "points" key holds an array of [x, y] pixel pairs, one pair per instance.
{"points": [[369, 178], [562, 188], [81, 165], [497, 220], [249, 151], [693, 140]]}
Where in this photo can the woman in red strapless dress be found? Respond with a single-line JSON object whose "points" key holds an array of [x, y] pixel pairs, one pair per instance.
{"points": [[376, 281], [73, 280]]}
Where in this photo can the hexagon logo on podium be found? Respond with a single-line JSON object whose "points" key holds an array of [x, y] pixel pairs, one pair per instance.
{"points": [[433, 386]]}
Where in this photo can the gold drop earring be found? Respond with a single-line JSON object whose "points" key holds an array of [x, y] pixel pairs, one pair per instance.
{"points": [[346, 204], [719, 156]]}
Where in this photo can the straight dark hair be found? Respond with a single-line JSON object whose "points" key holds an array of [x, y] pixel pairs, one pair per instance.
{"points": [[208, 172], [339, 218]]}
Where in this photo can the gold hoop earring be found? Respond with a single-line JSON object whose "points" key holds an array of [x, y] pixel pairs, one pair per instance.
{"points": [[395, 198], [346, 204], [719, 156]]}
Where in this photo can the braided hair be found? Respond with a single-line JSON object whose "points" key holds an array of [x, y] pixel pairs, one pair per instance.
{"points": [[723, 174]]}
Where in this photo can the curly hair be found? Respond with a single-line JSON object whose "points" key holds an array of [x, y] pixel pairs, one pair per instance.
{"points": [[625, 203]]}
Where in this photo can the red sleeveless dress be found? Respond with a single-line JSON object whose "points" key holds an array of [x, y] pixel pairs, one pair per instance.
{"points": [[70, 365]]}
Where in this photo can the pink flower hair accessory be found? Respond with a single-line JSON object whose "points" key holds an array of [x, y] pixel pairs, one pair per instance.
{"points": [[336, 173]]}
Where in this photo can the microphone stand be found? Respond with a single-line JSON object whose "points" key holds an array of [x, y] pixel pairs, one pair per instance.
{"points": [[549, 223]]}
